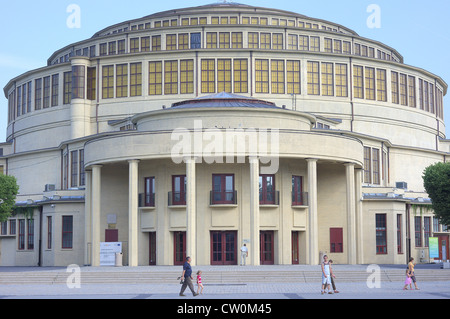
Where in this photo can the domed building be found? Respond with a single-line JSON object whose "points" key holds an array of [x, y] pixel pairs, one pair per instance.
{"points": [[193, 131]]}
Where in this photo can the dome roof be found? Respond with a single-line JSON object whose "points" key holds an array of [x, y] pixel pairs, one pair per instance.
{"points": [[224, 99]]}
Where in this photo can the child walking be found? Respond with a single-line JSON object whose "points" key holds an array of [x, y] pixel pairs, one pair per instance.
{"points": [[408, 280], [199, 282]]}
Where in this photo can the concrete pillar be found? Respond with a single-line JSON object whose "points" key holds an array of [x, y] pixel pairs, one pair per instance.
{"points": [[254, 248], [191, 210], [95, 212], [351, 213], [87, 216], [133, 203], [313, 227], [359, 216]]}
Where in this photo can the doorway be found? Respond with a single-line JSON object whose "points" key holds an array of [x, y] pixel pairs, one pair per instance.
{"points": [[266, 247], [295, 248], [223, 248], [152, 249], [179, 240]]}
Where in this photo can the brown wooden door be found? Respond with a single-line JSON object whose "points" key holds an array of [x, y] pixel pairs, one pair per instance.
{"points": [[179, 241], [152, 249], [266, 247], [223, 248], [295, 248]]}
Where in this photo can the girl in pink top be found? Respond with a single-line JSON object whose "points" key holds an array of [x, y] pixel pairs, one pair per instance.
{"points": [[199, 282]]}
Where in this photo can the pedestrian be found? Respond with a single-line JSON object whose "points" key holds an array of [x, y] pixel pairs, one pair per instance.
{"points": [[411, 266], [332, 278], [326, 275], [244, 254], [187, 278], [408, 280], [199, 282]]}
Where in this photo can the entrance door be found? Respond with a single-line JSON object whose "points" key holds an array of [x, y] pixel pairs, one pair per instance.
{"points": [[179, 240], [266, 246], [443, 247], [152, 249], [295, 248], [223, 248]]}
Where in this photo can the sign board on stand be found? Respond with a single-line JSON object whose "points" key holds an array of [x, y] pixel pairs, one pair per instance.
{"points": [[108, 253]]}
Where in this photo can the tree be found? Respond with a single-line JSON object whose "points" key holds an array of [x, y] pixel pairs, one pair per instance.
{"points": [[8, 192], [437, 184]]}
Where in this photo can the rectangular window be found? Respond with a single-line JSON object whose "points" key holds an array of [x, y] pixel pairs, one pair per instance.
{"points": [[183, 41], [265, 41], [186, 76], [82, 175], [103, 49], [347, 47], [376, 166], [297, 191], [156, 43], [367, 165], [78, 81], [121, 80], [313, 78], [211, 40], [277, 43], [381, 85], [418, 231], [12, 227], [224, 40], [208, 76], [171, 77], [337, 46], [67, 232], [327, 79], [277, 72], [223, 189], [293, 77], [145, 44], [303, 42], [292, 42], [134, 45], [30, 234], [341, 80], [380, 228], [155, 78], [150, 192], [431, 89], [21, 238], [74, 168], [253, 40], [67, 87], [112, 48], [196, 40], [46, 100], [236, 40], [91, 83], [427, 230], [394, 88], [120, 47], [240, 75], [336, 240], [399, 234], [412, 91], [179, 190], [315, 44], [108, 82], [55, 90], [49, 232], [403, 90], [370, 83], [262, 76], [358, 82], [425, 96], [171, 42], [267, 191], [38, 94], [328, 45], [224, 75]]}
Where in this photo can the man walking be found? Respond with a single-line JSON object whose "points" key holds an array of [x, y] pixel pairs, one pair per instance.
{"points": [[187, 278], [244, 254]]}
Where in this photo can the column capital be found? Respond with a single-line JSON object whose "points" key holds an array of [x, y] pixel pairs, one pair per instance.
{"points": [[349, 164], [133, 161], [311, 159]]}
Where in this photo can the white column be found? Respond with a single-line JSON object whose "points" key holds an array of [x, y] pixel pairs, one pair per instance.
{"points": [[254, 248], [191, 213], [133, 202], [95, 214], [87, 215], [359, 217], [313, 227], [351, 213]]}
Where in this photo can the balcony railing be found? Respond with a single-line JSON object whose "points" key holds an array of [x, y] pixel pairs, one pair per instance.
{"points": [[223, 198], [269, 198], [300, 199], [176, 198]]}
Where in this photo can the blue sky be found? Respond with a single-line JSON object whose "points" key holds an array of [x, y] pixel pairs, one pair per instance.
{"points": [[33, 30]]}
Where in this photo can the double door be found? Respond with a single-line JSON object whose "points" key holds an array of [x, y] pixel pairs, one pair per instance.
{"points": [[223, 248]]}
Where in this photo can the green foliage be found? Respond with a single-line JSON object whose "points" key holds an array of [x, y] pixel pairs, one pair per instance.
{"points": [[8, 192], [437, 184]]}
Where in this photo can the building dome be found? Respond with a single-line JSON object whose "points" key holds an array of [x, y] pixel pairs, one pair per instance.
{"points": [[198, 129]]}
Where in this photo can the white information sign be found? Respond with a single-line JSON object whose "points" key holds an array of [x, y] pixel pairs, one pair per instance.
{"points": [[108, 253]]}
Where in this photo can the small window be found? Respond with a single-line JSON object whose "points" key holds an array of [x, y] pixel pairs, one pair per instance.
{"points": [[223, 189], [67, 232]]}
